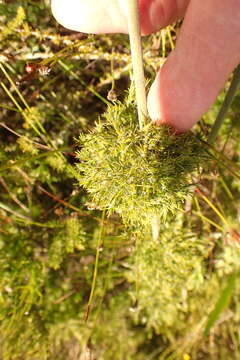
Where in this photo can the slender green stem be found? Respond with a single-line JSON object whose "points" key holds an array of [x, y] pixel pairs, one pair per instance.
{"points": [[95, 272], [225, 106], [222, 302], [137, 59]]}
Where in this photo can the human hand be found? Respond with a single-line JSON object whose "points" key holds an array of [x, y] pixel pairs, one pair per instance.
{"points": [[207, 49]]}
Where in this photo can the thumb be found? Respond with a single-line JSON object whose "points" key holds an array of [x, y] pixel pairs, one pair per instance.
{"points": [[207, 50]]}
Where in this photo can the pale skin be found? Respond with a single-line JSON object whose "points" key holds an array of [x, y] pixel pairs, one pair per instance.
{"points": [[207, 48]]}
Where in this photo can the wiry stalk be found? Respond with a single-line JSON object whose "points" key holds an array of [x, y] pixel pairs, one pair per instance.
{"points": [[225, 106], [137, 58]]}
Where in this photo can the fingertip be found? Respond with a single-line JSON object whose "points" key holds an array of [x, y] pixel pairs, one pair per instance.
{"points": [[89, 16], [162, 108], [62, 13], [77, 15], [195, 72]]}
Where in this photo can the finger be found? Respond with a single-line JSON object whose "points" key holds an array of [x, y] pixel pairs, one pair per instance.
{"points": [[108, 16], [207, 50]]}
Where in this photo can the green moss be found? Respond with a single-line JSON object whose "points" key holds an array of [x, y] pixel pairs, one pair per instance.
{"points": [[166, 271], [137, 173]]}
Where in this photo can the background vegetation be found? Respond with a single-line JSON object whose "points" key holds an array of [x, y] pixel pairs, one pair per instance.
{"points": [[75, 283]]}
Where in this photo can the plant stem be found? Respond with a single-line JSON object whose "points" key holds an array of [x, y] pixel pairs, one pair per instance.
{"points": [[137, 59], [225, 106], [95, 272]]}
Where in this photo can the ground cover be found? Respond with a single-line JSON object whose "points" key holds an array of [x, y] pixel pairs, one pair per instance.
{"points": [[76, 283]]}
